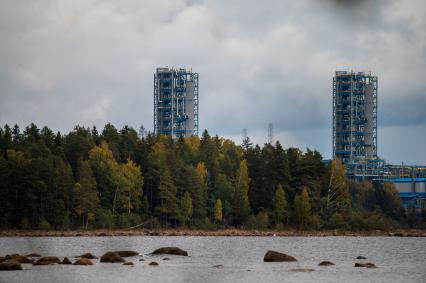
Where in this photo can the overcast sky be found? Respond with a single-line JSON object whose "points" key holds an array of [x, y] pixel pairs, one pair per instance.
{"points": [[90, 62]]}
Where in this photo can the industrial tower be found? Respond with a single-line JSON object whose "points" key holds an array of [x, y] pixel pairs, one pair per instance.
{"points": [[355, 122], [175, 102]]}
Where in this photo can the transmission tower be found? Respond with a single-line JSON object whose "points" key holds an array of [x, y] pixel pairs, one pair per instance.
{"points": [[270, 133]]}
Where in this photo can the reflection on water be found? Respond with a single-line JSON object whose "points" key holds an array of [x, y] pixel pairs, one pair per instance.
{"points": [[398, 259]]}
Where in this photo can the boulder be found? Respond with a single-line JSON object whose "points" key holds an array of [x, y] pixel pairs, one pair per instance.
{"points": [[170, 250], [46, 260], [272, 256], [368, 265], [112, 257], [10, 264], [153, 263], [141, 259], [88, 256], [218, 266], [33, 255], [2, 258], [128, 263], [166, 258], [127, 253], [83, 261], [66, 261], [325, 263], [20, 258], [361, 257]]}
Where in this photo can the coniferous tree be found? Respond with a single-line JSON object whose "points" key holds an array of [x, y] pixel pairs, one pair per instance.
{"points": [[280, 205], [168, 209], [241, 205]]}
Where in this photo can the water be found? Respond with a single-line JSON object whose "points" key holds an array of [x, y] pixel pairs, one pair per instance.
{"points": [[398, 259]]}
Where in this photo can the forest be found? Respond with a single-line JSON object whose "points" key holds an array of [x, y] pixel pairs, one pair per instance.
{"points": [[121, 178]]}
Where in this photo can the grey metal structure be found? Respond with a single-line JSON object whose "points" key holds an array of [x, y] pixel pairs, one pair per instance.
{"points": [[355, 122], [175, 102]]}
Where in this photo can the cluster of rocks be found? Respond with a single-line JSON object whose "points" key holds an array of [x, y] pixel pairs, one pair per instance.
{"points": [[15, 261], [273, 256]]}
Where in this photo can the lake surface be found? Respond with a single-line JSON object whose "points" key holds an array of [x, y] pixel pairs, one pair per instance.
{"points": [[397, 259]]}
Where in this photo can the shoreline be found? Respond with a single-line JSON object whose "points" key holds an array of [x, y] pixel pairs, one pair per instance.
{"points": [[209, 233]]}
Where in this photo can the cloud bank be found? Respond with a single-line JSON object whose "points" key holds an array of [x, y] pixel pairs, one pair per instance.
{"points": [[90, 62]]}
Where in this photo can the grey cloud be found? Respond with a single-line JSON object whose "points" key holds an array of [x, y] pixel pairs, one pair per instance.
{"points": [[91, 62]]}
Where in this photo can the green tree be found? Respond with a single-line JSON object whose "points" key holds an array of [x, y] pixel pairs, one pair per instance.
{"points": [[168, 209], [130, 185], [302, 209], [201, 192], [186, 207], [280, 205], [241, 206], [86, 195], [338, 196], [108, 175]]}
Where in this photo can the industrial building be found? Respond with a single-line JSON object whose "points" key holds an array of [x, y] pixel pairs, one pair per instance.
{"points": [[412, 191], [355, 123], [175, 102]]}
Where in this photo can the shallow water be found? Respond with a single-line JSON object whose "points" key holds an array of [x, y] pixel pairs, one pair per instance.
{"points": [[398, 259]]}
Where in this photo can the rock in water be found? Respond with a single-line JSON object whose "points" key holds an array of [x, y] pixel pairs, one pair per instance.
{"points": [[272, 256], [88, 255], [325, 263], [10, 264], [46, 260], [153, 263], [368, 265], [170, 250], [127, 253], [20, 258], [302, 269], [128, 263], [83, 261], [112, 257], [66, 261]]}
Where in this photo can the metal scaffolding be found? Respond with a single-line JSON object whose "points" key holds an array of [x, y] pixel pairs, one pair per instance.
{"points": [[355, 122], [175, 102]]}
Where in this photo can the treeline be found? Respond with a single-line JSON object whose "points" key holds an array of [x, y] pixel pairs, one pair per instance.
{"points": [[118, 179]]}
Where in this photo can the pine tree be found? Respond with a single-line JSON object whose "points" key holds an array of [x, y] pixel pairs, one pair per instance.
{"points": [[241, 206], [280, 205]]}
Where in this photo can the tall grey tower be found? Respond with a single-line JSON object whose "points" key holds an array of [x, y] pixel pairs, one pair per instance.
{"points": [[354, 119], [175, 102]]}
